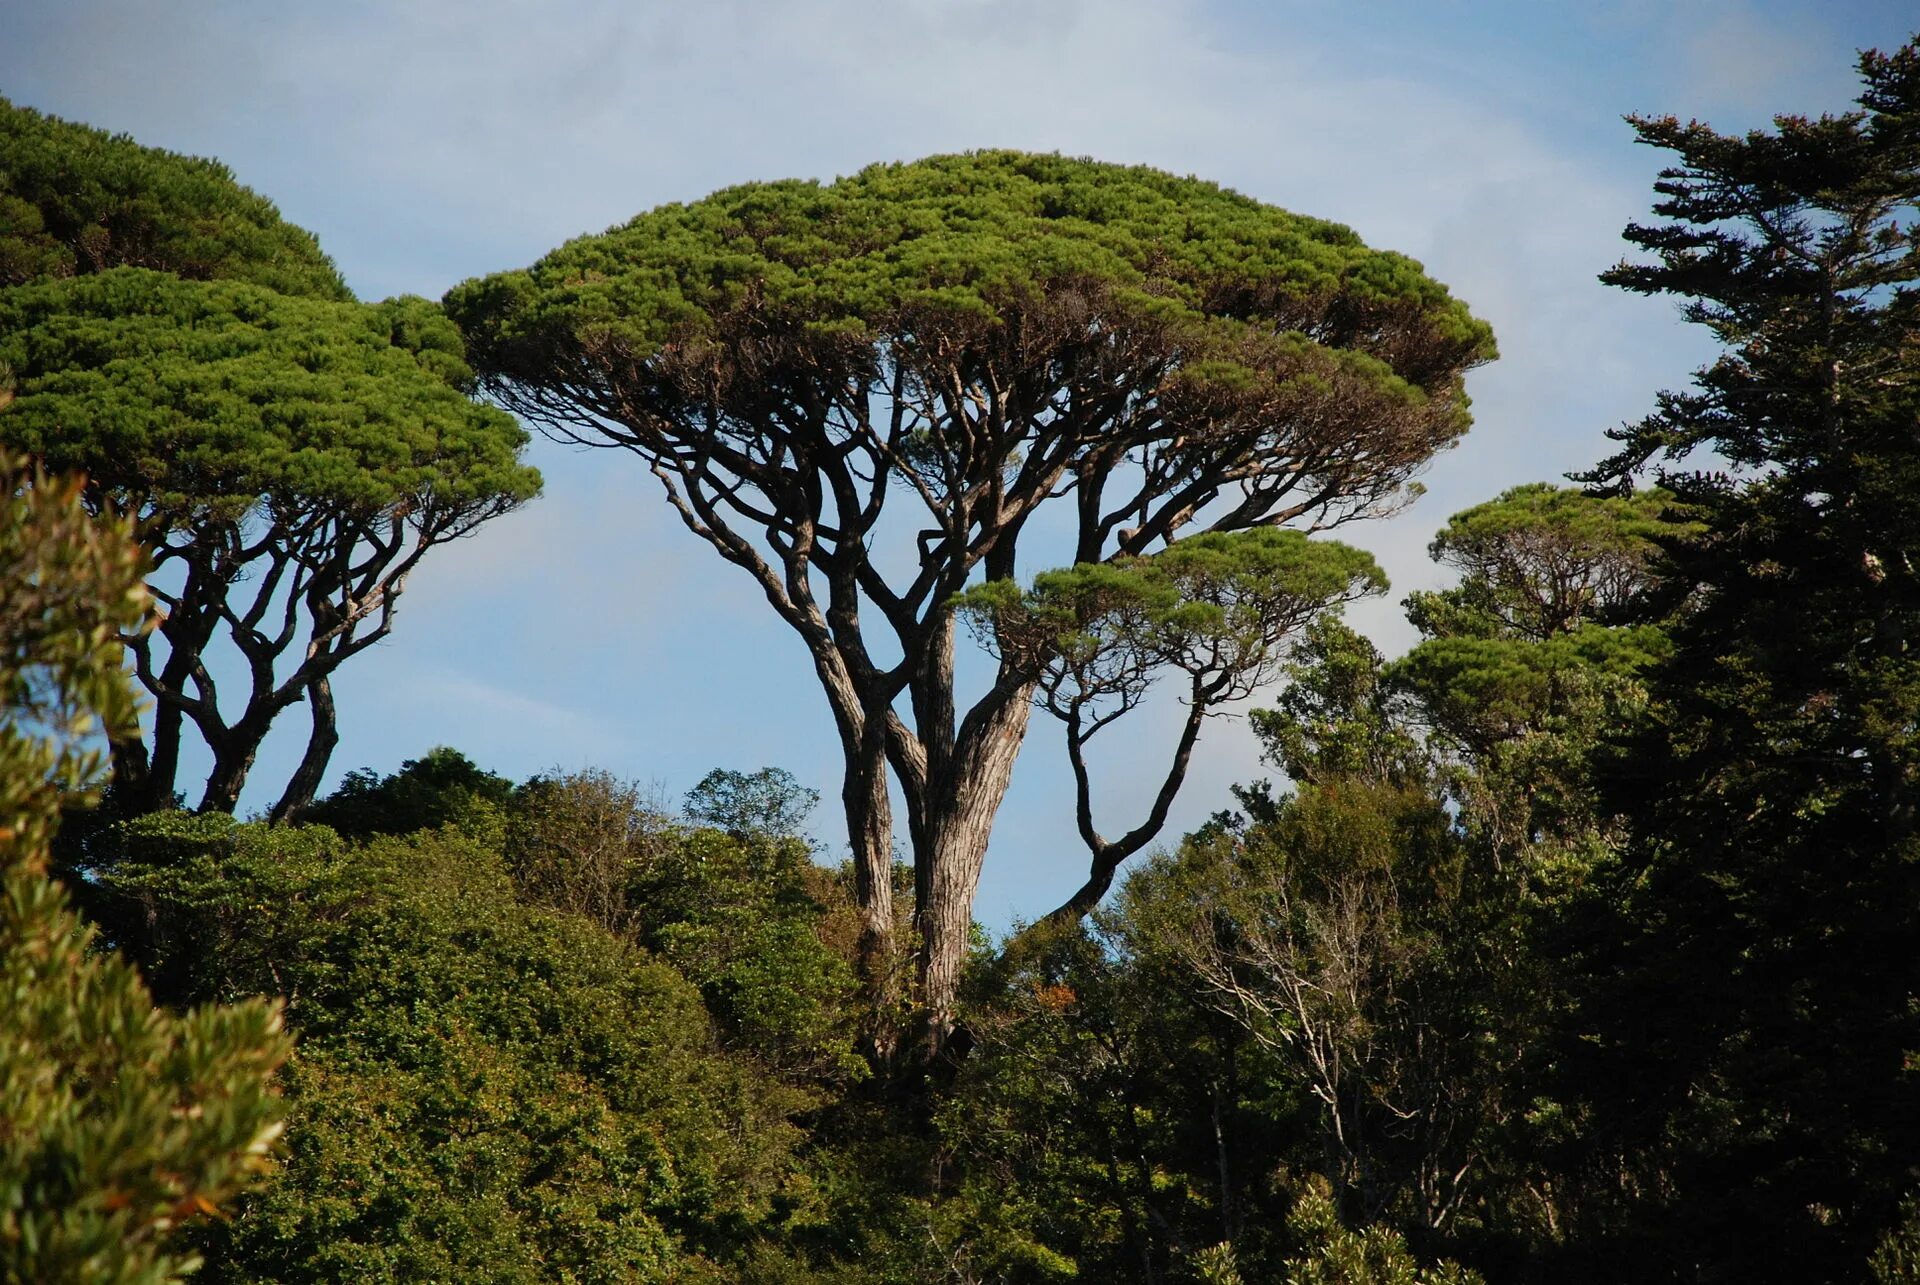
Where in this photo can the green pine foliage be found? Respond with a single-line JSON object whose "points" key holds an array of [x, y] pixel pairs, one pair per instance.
{"points": [[292, 453], [969, 239], [1219, 604], [1575, 945], [979, 336], [184, 395], [1540, 561], [75, 200], [1535, 661]]}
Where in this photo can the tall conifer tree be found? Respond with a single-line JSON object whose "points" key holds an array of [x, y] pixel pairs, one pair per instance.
{"points": [[1747, 1048]]}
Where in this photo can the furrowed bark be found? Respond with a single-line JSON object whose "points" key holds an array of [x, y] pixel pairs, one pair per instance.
{"points": [[960, 823]]}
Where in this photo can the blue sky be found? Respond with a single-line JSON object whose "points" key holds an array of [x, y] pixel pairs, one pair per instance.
{"points": [[426, 141]]}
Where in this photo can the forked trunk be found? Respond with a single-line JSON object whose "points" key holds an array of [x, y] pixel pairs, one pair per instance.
{"points": [[234, 750]]}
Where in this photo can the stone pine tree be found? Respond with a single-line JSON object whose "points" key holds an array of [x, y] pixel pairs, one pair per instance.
{"points": [[121, 1121], [1221, 610], [1746, 1037], [292, 454], [874, 393], [1531, 662], [293, 460]]}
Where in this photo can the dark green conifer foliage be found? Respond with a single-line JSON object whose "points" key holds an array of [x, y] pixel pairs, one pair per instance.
{"points": [[1744, 1055], [74, 200]]}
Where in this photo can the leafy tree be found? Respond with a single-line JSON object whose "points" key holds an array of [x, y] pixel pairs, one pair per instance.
{"points": [[1335, 1255], [1540, 561], [75, 200], [739, 911], [1344, 936], [1534, 660], [738, 915], [982, 337], [122, 1122], [1741, 1058], [1105, 1121], [1328, 924], [769, 801], [1339, 716], [291, 459], [576, 841]]}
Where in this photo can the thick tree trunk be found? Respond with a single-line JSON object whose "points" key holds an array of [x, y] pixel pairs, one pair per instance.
{"points": [[959, 822], [132, 775], [163, 771], [144, 778], [228, 778], [945, 917], [300, 791]]}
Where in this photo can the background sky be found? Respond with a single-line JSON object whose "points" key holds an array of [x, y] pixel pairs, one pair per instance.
{"points": [[427, 141]]}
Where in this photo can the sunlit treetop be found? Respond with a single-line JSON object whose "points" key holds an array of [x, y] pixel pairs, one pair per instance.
{"points": [[202, 394], [933, 250], [77, 200], [1541, 560]]}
